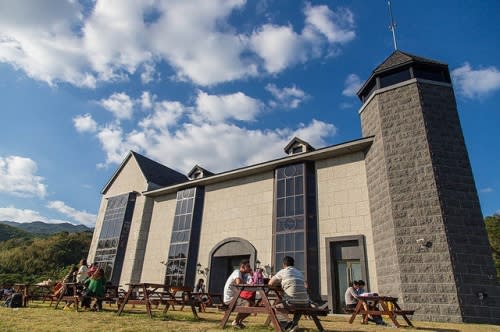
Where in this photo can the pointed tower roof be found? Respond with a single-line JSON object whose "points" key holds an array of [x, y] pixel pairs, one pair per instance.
{"points": [[153, 172], [399, 58], [402, 66]]}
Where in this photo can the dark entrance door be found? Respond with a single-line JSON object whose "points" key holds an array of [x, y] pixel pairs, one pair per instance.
{"points": [[221, 268], [347, 263]]}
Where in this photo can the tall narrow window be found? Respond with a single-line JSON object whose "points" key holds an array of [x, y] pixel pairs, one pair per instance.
{"points": [[112, 242], [295, 227], [184, 241], [290, 215]]}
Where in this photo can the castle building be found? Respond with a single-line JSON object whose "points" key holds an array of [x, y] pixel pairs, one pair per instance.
{"points": [[397, 208]]}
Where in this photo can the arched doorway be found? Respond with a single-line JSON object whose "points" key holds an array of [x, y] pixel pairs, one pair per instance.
{"points": [[225, 257]]}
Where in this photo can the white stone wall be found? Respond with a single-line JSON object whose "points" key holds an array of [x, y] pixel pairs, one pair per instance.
{"points": [[158, 241], [343, 208], [239, 208]]}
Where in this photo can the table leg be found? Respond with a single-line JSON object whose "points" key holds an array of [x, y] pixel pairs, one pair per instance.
{"points": [[404, 315], [230, 309], [61, 294], [390, 313], [148, 304], [125, 300], [356, 312], [272, 312]]}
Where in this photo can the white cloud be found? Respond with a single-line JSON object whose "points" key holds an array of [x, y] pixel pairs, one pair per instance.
{"points": [[11, 213], [18, 177], [112, 142], [85, 123], [81, 217], [279, 47], [85, 43], [149, 74], [216, 145], [487, 190], [217, 108], [286, 97], [337, 26], [315, 131], [351, 85], [476, 83], [166, 114], [120, 104], [147, 100]]}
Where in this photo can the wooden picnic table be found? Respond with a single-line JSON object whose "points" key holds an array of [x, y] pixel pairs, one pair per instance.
{"points": [[158, 294], [69, 287], [369, 305], [23, 289], [265, 305]]}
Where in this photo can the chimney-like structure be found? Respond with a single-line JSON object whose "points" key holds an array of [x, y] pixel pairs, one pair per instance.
{"points": [[431, 245]]}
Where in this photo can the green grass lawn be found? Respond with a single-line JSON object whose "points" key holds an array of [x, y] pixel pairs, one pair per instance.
{"points": [[41, 317]]}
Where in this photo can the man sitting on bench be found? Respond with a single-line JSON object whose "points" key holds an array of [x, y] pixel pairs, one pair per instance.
{"points": [[295, 292]]}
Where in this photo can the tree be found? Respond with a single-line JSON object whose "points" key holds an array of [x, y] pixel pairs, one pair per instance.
{"points": [[35, 259], [493, 228]]}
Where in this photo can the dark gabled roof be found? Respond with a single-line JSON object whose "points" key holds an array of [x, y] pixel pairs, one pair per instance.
{"points": [[199, 168], [295, 140], [153, 172], [158, 173], [399, 58]]}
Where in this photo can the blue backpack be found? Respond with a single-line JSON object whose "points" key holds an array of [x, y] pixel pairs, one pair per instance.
{"points": [[15, 301]]}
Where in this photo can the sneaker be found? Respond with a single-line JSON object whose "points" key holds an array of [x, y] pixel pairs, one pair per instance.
{"points": [[237, 325]]}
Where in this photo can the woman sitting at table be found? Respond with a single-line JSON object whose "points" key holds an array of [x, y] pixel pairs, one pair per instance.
{"points": [[82, 275], [95, 288], [200, 295]]}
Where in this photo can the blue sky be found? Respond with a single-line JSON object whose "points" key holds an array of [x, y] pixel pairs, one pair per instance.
{"points": [[222, 84]]}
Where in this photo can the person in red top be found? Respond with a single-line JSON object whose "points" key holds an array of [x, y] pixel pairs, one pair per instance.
{"points": [[93, 267]]}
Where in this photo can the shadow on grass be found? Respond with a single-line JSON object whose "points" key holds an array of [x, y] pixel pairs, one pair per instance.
{"points": [[435, 329]]}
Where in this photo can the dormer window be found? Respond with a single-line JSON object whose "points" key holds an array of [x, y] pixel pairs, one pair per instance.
{"points": [[198, 172], [297, 145]]}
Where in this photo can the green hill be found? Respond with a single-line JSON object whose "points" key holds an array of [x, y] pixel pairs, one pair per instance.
{"points": [[39, 227], [8, 232], [38, 258]]}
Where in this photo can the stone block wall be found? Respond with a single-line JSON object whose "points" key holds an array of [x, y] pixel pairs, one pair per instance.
{"points": [[405, 207], [421, 186], [467, 239]]}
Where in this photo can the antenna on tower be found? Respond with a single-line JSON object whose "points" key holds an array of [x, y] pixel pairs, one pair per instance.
{"points": [[392, 26]]}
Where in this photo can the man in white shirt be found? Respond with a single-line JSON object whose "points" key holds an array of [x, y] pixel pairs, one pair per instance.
{"points": [[351, 296], [238, 277], [294, 286]]}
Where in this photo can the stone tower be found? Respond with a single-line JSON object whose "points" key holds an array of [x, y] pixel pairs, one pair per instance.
{"points": [[431, 246]]}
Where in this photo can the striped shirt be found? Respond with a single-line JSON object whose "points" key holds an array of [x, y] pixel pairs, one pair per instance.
{"points": [[293, 284]]}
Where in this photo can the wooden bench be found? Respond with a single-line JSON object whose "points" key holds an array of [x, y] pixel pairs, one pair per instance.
{"points": [[304, 310]]}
